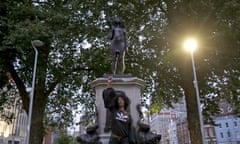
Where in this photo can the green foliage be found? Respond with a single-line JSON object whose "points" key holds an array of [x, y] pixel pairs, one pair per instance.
{"points": [[215, 24], [156, 30], [64, 138], [9, 102]]}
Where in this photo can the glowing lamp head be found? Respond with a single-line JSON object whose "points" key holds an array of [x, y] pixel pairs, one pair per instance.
{"points": [[190, 45]]}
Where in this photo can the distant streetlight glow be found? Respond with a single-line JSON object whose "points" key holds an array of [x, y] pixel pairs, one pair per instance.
{"points": [[190, 45]]}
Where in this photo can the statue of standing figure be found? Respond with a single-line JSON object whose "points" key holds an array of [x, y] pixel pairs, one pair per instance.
{"points": [[118, 44]]}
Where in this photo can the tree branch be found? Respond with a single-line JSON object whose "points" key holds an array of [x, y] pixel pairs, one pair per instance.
{"points": [[163, 10], [20, 85], [61, 77]]}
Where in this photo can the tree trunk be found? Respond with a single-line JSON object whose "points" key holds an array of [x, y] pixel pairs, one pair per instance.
{"points": [[37, 131], [191, 101], [183, 61], [39, 103], [37, 128]]}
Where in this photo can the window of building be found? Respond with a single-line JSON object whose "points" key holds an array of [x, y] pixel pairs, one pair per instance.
{"points": [[238, 134], [211, 133], [229, 134], [207, 132], [15, 142], [221, 135], [220, 125], [235, 123], [226, 124]]}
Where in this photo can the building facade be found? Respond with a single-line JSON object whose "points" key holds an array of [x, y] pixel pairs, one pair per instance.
{"points": [[182, 131], [227, 130], [227, 126], [210, 134], [171, 124], [13, 120], [160, 124], [15, 131]]}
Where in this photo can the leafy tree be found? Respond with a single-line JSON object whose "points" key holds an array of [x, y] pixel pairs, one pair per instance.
{"points": [[64, 66], [60, 67], [202, 19], [64, 138], [155, 30]]}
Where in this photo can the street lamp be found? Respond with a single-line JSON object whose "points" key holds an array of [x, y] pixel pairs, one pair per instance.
{"points": [[35, 43], [190, 45]]}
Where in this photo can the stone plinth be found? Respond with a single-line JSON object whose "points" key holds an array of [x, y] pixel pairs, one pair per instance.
{"points": [[132, 86]]}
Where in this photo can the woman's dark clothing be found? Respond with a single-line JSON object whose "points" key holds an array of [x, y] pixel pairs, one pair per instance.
{"points": [[121, 120], [120, 123]]}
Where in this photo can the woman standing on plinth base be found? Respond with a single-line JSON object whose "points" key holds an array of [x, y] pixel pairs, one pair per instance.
{"points": [[117, 102]]}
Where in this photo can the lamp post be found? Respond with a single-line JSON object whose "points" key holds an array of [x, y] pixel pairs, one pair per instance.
{"points": [[35, 43], [191, 45]]}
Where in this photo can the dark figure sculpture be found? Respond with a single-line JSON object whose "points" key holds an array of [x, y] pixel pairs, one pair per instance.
{"points": [[91, 137], [118, 44], [117, 102], [145, 136]]}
